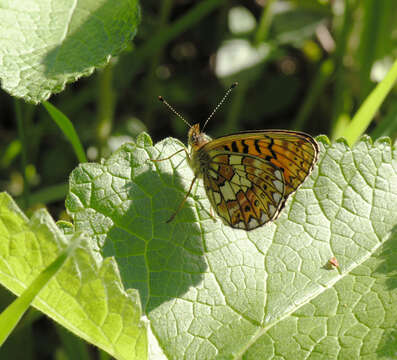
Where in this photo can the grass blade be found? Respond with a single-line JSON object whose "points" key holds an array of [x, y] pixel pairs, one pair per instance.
{"points": [[370, 106], [68, 129], [10, 317]]}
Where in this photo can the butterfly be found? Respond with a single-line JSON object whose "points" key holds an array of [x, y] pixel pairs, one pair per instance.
{"points": [[248, 176]]}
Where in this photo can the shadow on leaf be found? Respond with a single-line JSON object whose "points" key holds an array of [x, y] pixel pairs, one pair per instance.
{"points": [[386, 273], [94, 33], [162, 261], [388, 266]]}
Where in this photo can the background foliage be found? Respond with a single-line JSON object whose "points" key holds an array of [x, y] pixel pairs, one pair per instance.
{"points": [[303, 65]]}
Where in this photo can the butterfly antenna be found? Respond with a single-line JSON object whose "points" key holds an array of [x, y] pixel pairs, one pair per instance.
{"points": [[174, 111], [220, 103]]}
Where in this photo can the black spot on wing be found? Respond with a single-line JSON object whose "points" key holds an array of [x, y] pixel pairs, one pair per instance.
{"points": [[234, 147], [257, 148], [245, 147], [270, 147]]}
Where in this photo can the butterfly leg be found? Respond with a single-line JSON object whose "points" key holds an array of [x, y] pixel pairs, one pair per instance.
{"points": [[212, 214], [169, 157], [182, 202]]}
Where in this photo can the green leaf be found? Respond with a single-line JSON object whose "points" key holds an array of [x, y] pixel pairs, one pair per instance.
{"points": [[10, 317], [47, 194], [86, 296], [353, 319], [210, 291], [46, 44], [294, 26], [68, 130]]}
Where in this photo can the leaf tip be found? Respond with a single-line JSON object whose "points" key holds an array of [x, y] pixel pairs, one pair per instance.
{"points": [[323, 139], [144, 140]]}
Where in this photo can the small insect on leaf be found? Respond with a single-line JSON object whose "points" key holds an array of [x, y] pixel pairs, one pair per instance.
{"points": [[333, 262]]}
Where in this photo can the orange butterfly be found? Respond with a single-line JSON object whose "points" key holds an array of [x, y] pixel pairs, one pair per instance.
{"points": [[248, 176]]}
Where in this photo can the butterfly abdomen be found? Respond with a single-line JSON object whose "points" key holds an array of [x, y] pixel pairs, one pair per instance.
{"points": [[198, 162]]}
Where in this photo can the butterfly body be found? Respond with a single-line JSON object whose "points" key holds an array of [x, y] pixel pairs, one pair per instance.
{"points": [[248, 176], [197, 159]]}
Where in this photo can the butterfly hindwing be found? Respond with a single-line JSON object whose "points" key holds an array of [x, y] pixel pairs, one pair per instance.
{"points": [[246, 191]]}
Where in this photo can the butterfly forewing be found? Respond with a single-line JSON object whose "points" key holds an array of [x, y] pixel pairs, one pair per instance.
{"points": [[294, 153]]}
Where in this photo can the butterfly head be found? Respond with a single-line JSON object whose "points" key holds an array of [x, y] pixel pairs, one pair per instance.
{"points": [[196, 138]]}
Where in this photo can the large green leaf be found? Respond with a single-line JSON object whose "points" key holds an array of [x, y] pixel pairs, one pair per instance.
{"points": [[211, 291], [354, 318], [47, 43], [86, 296]]}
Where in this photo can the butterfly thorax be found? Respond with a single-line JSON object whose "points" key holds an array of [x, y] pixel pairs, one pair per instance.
{"points": [[198, 159]]}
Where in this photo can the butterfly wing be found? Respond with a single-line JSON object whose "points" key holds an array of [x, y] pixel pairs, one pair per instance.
{"points": [[293, 152], [250, 175], [245, 191]]}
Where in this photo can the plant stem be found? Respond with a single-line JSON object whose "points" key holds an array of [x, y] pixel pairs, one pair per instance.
{"points": [[322, 76], [22, 138], [264, 23], [151, 83], [340, 88], [106, 100]]}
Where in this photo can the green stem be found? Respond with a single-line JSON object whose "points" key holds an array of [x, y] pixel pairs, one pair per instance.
{"points": [[22, 138], [106, 100], [323, 74], [370, 36], [155, 61], [264, 23], [340, 87], [165, 11]]}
